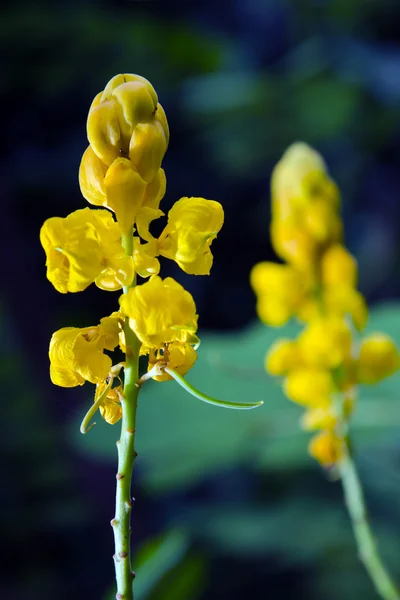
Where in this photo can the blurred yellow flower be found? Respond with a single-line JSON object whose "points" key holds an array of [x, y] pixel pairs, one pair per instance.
{"points": [[309, 386], [280, 291], [282, 357], [77, 355], [379, 357], [338, 267], [83, 248], [193, 223], [326, 342], [327, 448], [160, 312]]}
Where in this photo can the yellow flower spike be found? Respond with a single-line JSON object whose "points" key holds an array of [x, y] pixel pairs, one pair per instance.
{"points": [[178, 356], [125, 191], [338, 267], [147, 148], [326, 342], [282, 357], [327, 448], [91, 178], [144, 258], [280, 291], [160, 312], [319, 418], [309, 386], [76, 355], [193, 223], [80, 247], [379, 358]]}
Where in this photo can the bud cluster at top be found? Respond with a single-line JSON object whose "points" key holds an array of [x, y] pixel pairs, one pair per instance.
{"points": [[317, 285]]}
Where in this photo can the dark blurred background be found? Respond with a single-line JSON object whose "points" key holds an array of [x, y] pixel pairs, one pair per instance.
{"points": [[227, 505]]}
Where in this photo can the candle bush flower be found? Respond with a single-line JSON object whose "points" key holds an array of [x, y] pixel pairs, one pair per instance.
{"points": [[121, 172], [322, 367]]}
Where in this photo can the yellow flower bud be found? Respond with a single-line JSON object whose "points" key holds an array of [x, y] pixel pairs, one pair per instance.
{"points": [[114, 114], [160, 312], [144, 258], [322, 222], [83, 248], [319, 418], [326, 342], [309, 386], [379, 357], [282, 357], [147, 148], [327, 448], [193, 223], [280, 291], [77, 355], [338, 267], [91, 178], [178, 356], [125, 191], [292, 243], [343, 300]]}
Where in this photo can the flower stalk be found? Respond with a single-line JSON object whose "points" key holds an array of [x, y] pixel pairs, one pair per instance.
{"points": [[366, 544]]}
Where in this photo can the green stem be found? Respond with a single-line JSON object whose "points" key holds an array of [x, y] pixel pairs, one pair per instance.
{"points": [[366, 544], [126, 457]]}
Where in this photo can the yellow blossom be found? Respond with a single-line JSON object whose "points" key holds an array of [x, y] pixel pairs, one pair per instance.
{"points": [[178, 356], [319, 418], [327, 448], [338, 267], [379, 357], [160, 312], [83, 248], [193, 223], [326, 342], [280, 291], [343, 301], [282, 357], [77, 355], [309, 386], [110, 409]]}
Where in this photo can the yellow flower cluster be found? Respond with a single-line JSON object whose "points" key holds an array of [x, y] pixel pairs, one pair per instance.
{"points": [[121, 171], [317, 284]]}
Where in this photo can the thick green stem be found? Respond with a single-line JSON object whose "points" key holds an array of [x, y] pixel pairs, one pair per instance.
{"points": [[366, 544], [126, 458]]}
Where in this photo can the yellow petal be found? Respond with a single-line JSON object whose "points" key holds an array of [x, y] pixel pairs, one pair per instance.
{"points": [[193, 223], [338, 267], [326, 342], [160, 311], [327, 448], [161, 117], [144, 257], [91, 178], [104, 132], [309, 386], [282, 357], [125, 191], [178, 356], [379, 358], [147, 148]]}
